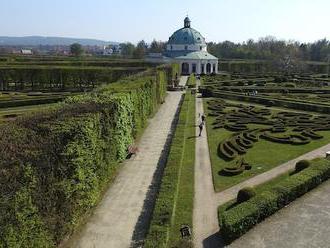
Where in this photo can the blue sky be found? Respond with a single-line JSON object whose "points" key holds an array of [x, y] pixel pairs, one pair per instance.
{"points": [[133, 20]]}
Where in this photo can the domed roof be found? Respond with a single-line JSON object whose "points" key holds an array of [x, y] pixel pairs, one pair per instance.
{"points": [[186, 35]]}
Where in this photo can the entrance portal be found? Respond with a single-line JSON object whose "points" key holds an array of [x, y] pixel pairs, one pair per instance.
{"points": [[208, 68], [185, 69]]}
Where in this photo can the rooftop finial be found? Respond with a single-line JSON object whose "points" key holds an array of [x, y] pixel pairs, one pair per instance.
{"points": [[187, 22]]}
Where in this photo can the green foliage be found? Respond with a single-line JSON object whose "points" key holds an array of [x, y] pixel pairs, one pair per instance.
{"points": [[76, 49], [174, 204], [301, 165], [55, 164], [245, 194], [191, 83], [239, 219], [60, 78]]}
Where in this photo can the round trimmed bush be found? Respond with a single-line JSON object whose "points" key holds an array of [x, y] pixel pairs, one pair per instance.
{"points": [[245, 194], [301, 165]]}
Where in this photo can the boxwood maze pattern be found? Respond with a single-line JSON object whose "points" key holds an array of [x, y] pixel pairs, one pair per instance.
{"points": [[280, 127]]}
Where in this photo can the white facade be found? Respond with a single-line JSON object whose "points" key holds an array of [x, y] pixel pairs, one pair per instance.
{"points": [[198, 66], [188, 48]]}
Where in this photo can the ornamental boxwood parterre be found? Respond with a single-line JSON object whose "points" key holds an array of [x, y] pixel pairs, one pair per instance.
{"points": [[239, 219]]}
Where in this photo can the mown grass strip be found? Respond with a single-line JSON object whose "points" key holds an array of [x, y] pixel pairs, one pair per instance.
{"points": [[174, 204]]}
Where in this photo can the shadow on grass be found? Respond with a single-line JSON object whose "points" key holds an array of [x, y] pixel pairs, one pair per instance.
{"points": [[193, 137]]}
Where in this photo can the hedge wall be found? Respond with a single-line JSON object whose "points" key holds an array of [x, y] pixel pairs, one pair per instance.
{"points": [[60, 78], [55, 164], [241, 218], [268, 101]]}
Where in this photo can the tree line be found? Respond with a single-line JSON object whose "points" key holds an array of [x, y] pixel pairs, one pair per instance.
{"points": [[269, 48]]}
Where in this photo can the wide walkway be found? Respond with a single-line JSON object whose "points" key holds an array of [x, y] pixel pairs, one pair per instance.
{"points": [[121, 218], [305, 223]]}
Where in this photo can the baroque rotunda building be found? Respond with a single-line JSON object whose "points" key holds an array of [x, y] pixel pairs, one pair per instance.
{"points": [[188, 48]]}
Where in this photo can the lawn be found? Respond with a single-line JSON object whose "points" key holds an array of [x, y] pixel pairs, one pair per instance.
{"points": [[263, 156]]}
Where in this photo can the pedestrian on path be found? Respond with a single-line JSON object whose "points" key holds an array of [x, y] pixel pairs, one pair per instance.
{"points": [[203, 118], [201, 125]]}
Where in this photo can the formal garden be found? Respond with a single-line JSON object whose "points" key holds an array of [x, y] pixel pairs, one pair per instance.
{"points": [[256, 122]]}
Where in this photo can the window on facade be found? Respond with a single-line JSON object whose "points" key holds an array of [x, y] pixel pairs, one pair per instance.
{"points": [[200, 48], [185, 47], [171, 47]]}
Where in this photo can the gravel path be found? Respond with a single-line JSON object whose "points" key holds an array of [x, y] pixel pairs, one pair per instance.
{"points": [[122, 217], [205, 220]]}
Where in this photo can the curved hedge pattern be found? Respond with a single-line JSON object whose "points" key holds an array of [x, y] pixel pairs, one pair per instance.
{"points": [[281, 127]]}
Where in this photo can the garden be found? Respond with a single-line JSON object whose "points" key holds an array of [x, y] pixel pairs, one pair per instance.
{"points": [[255, 123]]}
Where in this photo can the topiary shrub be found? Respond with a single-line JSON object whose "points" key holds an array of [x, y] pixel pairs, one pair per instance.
{"points": [[301, 165], [245, 194]]}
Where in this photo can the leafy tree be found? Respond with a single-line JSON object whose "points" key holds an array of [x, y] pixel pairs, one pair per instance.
{"points": [[127, 49], [140, 50], [157, 46], [76, 49]]}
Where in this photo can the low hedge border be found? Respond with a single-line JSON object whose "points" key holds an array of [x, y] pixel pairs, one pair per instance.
{"points": [[238, 220]]}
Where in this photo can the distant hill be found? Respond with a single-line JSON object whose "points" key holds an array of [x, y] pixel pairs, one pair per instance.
{"points": [[52, 41]]}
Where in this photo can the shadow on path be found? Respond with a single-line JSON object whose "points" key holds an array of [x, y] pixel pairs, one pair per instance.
{"points": [[213, 241], [142, 226]]}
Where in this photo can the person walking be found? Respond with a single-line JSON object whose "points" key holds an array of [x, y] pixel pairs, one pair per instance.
{"points": [[201, 125], [203, 118]]}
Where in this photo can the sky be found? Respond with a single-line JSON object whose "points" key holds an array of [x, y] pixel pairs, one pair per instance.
{"points": [[134, 20]]}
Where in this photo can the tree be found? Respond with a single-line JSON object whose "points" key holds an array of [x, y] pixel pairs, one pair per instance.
{"points": [[156, 46], [140, 50], [127, 49], [76, 49]]}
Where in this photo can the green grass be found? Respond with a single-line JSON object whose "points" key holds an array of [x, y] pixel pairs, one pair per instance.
{"points": [[185, 195], [174, 204], [263, 156]]}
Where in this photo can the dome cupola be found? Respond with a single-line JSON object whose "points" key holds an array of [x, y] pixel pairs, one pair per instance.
{"points": [[187, 22]]}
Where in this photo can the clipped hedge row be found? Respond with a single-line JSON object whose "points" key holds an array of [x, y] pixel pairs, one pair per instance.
{"points": [[34, 101], [61, 77], [241, 218], [266, 101], [55, 164], [174, 203]]}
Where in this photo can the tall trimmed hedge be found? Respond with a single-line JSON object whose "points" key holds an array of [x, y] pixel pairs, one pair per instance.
{"points": [[45, 78], [55, 164]]}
